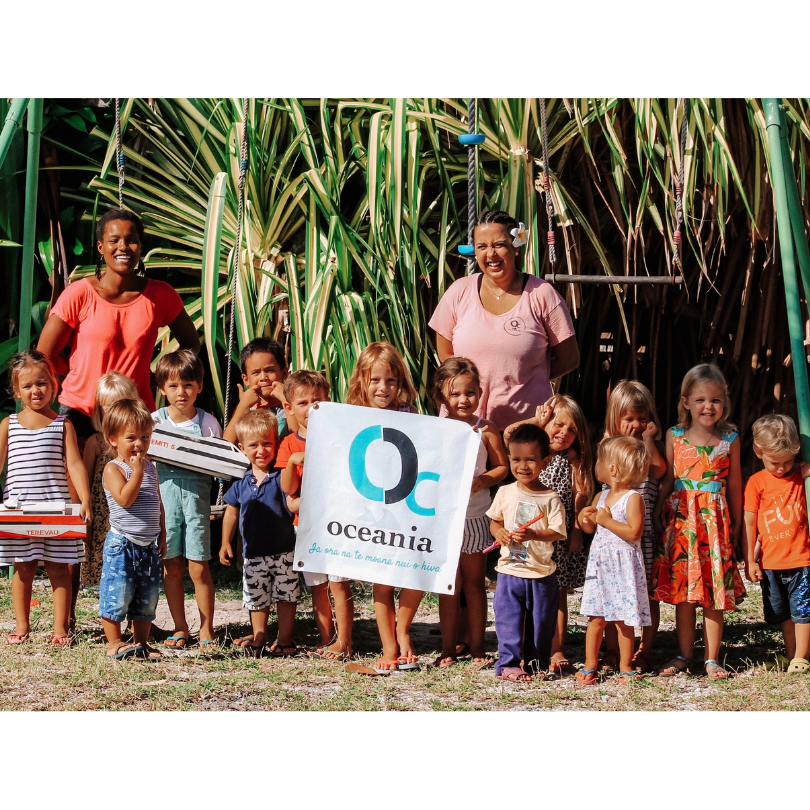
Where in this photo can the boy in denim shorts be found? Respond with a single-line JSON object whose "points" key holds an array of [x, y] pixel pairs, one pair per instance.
{"points": [[130, 573], [186, 497], [776, 545], [259, 505]]}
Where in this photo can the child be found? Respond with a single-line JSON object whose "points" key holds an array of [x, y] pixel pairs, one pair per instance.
{"points": [[264, 369], [615, 586], [703, 517], [302, 391], [136, 542], [568, 473], [186, 497], [457, 386], [526, 596], [97, 454], [776, 512], [258, 503], [631, 412], [380, 380], [37, 444]]}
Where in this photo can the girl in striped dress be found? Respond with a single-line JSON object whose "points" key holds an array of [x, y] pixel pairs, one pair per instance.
{"points": [[631, 412], [131, 572], [38, 444]]}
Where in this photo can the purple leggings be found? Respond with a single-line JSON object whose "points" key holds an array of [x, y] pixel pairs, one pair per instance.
{"points": [[525, 620]]}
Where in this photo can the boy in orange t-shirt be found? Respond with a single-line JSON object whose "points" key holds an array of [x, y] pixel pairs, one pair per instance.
{"points": [[303, 390], [776, 520]]}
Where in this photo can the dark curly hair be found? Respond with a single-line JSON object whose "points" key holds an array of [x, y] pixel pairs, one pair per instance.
{"points": [[118, 215]]}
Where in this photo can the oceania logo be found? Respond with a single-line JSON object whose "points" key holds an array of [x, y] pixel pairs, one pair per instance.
{"points": [[409, 479]]}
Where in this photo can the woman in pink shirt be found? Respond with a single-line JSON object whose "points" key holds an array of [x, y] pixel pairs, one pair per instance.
{"points": [[515, 327], [111, 322]]}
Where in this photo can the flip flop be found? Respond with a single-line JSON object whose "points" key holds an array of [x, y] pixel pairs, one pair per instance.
{"points": [[444, 662], [17, 638], [207, 642], [405, 664], [483, 663], [119, 655], [362, 669], [559, 666], [514, 675], [626, 678], [385, 670], [177, 642], [59, 640], [587, 677], [240, 642], [282, 651], [143, 653], [325, 654]]}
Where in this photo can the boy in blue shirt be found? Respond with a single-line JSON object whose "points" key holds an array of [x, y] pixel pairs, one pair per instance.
{"points": [[259, 504]]}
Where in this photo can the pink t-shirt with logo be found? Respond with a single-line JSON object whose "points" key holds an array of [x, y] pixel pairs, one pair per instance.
{"points": [[110, 337], [510, 350]]}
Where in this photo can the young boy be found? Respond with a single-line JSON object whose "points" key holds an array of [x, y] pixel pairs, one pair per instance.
{"points": [[302, 390], [136, 541], [265, 523], [264, 369], [776, 516], [186, 497], [526, 596]]}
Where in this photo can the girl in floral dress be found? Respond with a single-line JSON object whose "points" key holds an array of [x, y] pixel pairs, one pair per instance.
{"points": [[702, 518], [615, 590]]}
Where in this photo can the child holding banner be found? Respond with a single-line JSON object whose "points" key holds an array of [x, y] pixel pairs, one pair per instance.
{"points": [[457, 386], [303, 390], [380, 380], [527, 592]]}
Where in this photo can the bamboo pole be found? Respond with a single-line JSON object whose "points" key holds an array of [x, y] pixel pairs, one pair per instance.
{"points": [[13, 120], [775, 140], [34, 126]]}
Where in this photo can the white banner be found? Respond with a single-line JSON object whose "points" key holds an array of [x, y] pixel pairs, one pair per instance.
{"points": [[384, 496]]}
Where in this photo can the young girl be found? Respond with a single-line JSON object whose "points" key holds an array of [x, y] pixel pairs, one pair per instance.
{"points": [[110, 388], [615, 585], [568, 473], [703, 517], [457, 386], [37, 444], [380, 380], [631, 412]]}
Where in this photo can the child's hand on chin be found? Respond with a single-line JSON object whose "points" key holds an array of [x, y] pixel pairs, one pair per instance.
{"points": [[248, 397]]}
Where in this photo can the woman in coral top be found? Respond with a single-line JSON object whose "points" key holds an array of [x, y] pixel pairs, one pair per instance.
{"points": [[110, 322]]}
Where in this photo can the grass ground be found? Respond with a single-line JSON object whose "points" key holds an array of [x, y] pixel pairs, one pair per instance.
{"points": [[36, 676]]}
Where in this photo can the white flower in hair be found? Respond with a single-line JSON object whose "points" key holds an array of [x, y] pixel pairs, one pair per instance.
{"points": [[520, 235]]}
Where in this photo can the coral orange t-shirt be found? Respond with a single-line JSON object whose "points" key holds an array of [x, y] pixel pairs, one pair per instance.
{"points": [[780, 505], [292, 443], [110, 337]]}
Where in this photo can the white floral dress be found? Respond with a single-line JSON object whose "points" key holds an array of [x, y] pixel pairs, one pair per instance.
{"points": [[615, 583]]}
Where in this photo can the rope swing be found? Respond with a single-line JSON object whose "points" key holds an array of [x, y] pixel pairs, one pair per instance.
{"points": [[119, 153], [676, 251]]}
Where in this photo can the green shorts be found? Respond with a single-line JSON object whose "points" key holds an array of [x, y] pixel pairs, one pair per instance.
{"points": [[187, 504]]}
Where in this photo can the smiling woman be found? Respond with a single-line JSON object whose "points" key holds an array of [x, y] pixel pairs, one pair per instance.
{"points": [[110, 322], [513, 326]]}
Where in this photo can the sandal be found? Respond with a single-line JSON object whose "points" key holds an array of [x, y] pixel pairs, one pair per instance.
{"points": [[17, 638], [587, 677], [240, 642], [406, 663], [59, 640], [483, 663], [326, 654], [799, 666], [444, 662], [514, 675], [675, 667], [626, 678], [559, 666], [382, 666], [144, 652], [179, 642], [122, 651], [714, 671], [207, 642], [282, 651]]}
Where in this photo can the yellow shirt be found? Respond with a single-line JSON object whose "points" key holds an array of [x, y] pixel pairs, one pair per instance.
{"points": [[515, 507]]}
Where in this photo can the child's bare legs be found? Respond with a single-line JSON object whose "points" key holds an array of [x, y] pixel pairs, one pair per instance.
{"points": [[60, 578], [685, 614], [112, 630], [448, 621], [712, 632], [75, 584], [322, 610], [626, 641], [593, 641], [473, 571], [258, 626], [21, 586], [286, 620], [176, 596], [200, 575], [408, 605], [344, 616], [558, 643], [797, 639], [644, 654], [386, 614]]}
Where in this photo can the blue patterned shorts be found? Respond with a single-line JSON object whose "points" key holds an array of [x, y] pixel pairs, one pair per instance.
{"points": [[130, 580], [786, 595]]}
